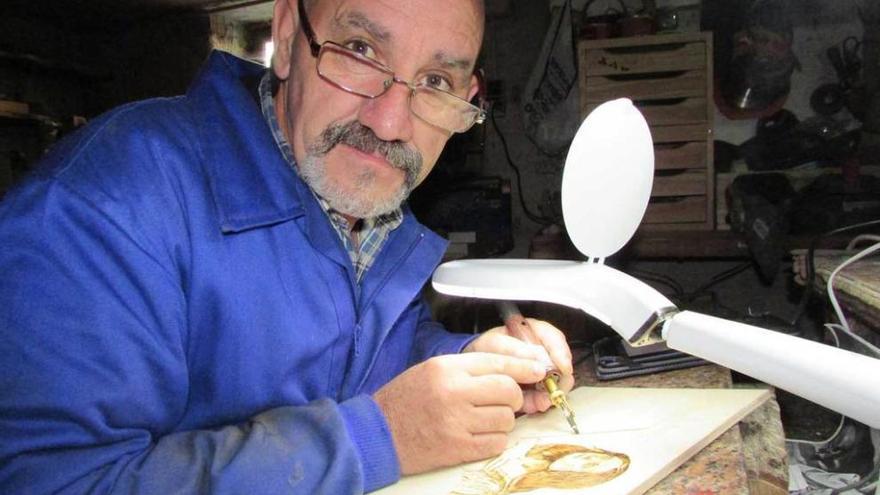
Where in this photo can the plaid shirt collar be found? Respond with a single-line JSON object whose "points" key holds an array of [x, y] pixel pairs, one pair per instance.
{"points": [[368, 235]]}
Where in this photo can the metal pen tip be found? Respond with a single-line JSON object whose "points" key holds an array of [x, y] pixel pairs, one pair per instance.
{"points": [[569, 416], [557, 398]]}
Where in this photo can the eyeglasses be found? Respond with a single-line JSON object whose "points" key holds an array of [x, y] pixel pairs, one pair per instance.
{"points": [[360, 75]]}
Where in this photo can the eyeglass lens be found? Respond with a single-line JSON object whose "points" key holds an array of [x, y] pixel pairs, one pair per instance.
{"points": [[363, 77]]}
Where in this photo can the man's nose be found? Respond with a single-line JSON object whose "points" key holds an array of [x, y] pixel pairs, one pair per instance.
{"points": [[389, 115]]}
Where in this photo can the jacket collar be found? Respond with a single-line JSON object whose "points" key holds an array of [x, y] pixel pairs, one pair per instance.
{"points": [[252, 185]]}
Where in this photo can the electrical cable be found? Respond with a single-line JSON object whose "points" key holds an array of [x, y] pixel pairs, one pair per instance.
{"points": [[817, 443], [715, 280], [867, 345], [862, 237], [531, 216], [858, 485], [730, 311], [682, 297], [844, 325], [588, 351], [688, 300], [865, 482], [810, 282], [869, 489]]}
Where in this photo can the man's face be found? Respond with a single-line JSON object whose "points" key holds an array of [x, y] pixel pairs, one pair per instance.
{"points": [[365, 155]]}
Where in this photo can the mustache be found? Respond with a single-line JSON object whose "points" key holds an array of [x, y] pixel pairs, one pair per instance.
{"points": [[362, 138]]}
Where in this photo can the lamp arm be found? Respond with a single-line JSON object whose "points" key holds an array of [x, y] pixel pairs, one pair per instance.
{"points": [[843, 381], [629, 306]]}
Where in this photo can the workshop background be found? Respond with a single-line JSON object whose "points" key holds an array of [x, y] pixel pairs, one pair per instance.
{"points": [[766, 115]]}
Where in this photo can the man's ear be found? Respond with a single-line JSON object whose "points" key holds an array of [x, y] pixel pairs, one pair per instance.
{"points": [[285, 25], [474, 89]]}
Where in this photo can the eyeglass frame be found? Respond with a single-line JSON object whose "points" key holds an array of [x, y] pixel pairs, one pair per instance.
{"points": [[315, 49]]}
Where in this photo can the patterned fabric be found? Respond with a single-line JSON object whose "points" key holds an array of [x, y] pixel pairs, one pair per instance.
{"points": [[368, 235]]}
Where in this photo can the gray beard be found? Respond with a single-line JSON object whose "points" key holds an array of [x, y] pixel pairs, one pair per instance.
{"points": [[361, 201]]}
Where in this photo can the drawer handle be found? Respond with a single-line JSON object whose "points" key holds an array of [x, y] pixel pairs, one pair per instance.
{"points": [[671, 74], [665, 47]]}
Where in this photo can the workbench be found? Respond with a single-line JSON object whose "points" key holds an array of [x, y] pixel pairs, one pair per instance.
{"points": [[749, 459], [857, 288]]}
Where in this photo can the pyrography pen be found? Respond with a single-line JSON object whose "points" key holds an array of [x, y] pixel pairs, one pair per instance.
{"points": [[519, 328]]}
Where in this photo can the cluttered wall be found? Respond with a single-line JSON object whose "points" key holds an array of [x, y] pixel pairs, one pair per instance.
{"points": [[60, 70], [801, 71], [794, 89]]}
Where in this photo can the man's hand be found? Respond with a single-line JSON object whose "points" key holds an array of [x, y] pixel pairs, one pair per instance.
{"points": [[455, 408], [551, 349]]}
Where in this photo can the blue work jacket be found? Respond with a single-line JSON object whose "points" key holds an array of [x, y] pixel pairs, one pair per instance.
{"points": [[177, 314]]}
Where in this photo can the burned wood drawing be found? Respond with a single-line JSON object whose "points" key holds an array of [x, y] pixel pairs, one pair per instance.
{"points": [[529, 466]]}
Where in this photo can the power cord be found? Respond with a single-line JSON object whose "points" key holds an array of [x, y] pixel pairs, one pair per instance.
{"points": [[870, 480], [715, 280], [810, 282], [819, 443], [844, 325], [862, 485], [677, 289], [862, 237]]}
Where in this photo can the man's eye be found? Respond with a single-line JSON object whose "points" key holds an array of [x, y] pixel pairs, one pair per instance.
{"points": [[361, 47], [437, 81]]}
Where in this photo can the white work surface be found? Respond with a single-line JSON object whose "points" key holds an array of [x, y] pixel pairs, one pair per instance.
{"points": [[658, 429]]}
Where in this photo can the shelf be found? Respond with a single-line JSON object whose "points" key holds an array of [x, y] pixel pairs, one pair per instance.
{"points": [[669, 79], [701, 244], [28, 118], [68, 67], [684, 244]]}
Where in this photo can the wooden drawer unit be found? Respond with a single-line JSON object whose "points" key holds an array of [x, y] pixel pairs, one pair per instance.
{"points": [[669, 78]]}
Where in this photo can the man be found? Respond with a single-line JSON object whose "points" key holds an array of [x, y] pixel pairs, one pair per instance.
{"points": [[220, 292]]}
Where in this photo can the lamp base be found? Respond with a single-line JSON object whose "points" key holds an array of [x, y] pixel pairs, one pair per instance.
{"points": [[614, 360]]}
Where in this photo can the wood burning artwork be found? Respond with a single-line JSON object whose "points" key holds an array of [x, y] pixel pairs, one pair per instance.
{"points": [[531, 466], [630, 439]]}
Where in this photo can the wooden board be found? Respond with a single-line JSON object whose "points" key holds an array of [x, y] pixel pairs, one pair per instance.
{"points": [[675, 111], [680, 133], [680, 155], [651, 57], [679, 183], [661, 86], [659, 429], [14, 107], [685, 209]]}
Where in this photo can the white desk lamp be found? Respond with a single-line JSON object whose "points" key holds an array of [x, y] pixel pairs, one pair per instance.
{"points": [[605, 189]]}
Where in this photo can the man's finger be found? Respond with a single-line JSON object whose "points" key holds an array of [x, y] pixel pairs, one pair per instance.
{"points": [[483, 445], [535, 401], [484, 363], [491, 419], [502, 343], [566, 382], [554, 341], [495, 390]]}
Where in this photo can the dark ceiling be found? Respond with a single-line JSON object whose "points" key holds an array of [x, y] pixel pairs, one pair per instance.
{"points": [[101, 13]]}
